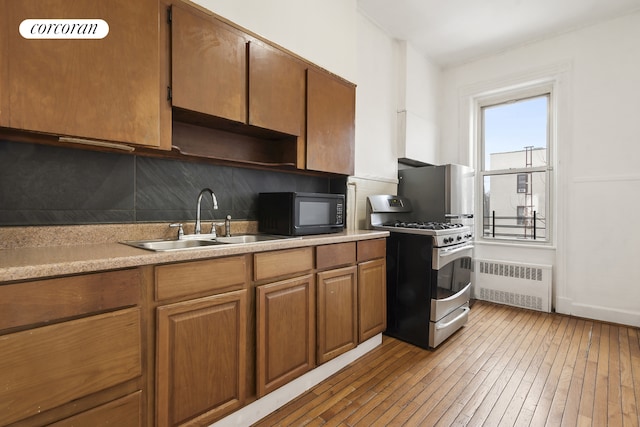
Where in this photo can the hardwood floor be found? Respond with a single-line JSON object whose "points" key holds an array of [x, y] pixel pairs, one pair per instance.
{"points": [[506, 367]]}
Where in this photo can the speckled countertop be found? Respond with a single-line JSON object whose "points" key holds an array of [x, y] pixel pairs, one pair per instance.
{"points": [[83, 249]]}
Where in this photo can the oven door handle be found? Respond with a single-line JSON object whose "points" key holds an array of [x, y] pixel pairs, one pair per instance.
{"points": [[446, 253], [465, 310], [444, 256]]}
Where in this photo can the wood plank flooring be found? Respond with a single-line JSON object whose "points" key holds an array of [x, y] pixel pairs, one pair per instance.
{"points": [[507, 367]]}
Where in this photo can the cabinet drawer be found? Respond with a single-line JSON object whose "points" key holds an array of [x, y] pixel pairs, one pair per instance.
{"points": [[31, 303], [46, 367], [268, 265], [189, 278], [371, 249], [336, 255], [123, 412]]}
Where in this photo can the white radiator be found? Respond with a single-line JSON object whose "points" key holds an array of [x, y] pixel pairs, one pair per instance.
{"points": [[520, 285]]}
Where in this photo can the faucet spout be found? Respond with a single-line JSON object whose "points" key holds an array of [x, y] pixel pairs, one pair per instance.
{"points": [[198, 215]]}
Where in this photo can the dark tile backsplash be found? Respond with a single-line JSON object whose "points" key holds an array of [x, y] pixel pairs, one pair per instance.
{"points": [[47, 185]]}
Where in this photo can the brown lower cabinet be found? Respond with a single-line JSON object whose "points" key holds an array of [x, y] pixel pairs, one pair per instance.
{"points": [[123, 412], [336, 310], [201, 359], [72, 348], [372, 288], [337, 330], [182, 343], [201, 340], [372, 298], [285, 314]]}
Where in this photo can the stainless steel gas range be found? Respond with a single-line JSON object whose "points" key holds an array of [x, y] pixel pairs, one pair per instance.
{"points": [[428, 272]]}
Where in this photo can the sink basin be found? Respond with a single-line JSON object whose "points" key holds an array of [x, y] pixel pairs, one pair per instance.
{"points": [[191, 243], [172, 245], [251, 238]]}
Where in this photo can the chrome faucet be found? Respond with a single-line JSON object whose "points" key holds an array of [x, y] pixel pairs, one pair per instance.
{"points": [[215, 206]]}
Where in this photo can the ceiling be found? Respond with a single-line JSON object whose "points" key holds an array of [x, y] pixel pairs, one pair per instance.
{"points": [[451, 32]]}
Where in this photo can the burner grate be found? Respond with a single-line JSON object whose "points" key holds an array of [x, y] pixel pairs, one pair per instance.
{"points": [[423, 225]]}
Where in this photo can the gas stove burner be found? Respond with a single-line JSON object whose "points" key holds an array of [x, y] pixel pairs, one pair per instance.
{"points": [[423, 225]]}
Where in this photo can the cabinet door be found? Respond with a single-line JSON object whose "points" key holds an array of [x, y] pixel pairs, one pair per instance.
{"points": [[208, 65], [285, 331], [106, 89], [337, 305], [372, 298], [276, 90], [330, 123], [201, 359]]}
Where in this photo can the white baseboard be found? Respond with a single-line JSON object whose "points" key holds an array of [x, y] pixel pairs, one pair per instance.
{"points": [[605, 314], [262, 407]]}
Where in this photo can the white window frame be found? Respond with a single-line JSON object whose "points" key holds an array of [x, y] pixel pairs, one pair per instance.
{"points": [[503, 96]]}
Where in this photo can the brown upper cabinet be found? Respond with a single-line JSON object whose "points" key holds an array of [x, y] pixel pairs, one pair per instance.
{"points": [[208, 65], [106, 89], [172, 75], [330, 123], [222, 72], [276, 89]]}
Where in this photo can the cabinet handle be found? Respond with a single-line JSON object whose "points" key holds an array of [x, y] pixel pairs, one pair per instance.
{"points": [[104, 144]]}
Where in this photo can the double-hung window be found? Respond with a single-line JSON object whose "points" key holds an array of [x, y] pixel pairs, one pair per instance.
{"points": [[514, 145]]}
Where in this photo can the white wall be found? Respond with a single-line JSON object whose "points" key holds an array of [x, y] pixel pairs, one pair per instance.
{"points": [[598, 171], [376, 168], [418, 108], [376, 103]]}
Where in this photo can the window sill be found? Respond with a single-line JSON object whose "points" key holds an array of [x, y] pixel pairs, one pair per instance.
{"points": [[514, 244]]}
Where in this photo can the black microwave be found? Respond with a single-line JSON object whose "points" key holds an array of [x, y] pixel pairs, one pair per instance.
{"points": [[297, 214]]}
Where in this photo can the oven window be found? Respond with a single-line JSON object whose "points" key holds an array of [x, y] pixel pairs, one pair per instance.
{"points": [[453, 277], [314, 213]]}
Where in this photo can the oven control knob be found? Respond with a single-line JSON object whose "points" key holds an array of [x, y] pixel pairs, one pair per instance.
{"points": [[459, 238]]}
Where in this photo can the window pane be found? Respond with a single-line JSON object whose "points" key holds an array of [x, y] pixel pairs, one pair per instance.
{"points": [[511, 214], [515, 134]]}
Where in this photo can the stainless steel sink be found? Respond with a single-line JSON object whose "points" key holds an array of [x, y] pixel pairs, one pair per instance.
{"points": [[191, 243], [172, 245], [251, 238]]}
